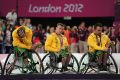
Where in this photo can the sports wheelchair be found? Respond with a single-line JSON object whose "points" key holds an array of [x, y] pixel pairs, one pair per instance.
{"points": [[52, 63], [89, 64], [15, 63]]}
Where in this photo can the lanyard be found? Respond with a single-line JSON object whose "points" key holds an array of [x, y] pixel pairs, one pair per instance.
{"points": [[60, 39], [98, 42]]}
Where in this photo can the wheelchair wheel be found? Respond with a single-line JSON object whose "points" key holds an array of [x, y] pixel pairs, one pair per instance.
{"points": [[84, 61], [89, 67], [55, 66], [49, 63], [1, 71], [75, 62], [36, 63], [73, 65], [14, 64], [111, 65], [9, 63]]}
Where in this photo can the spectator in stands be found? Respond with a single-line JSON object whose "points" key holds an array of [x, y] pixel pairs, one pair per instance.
{"points": [[82, 33], [40, 26], [36, 31], [11, 17], [74, 39], [20, 21], [113, 39], [1, 36], [47, 28], [27, 22], [42, 39], [43, 36], [118, 42], [36, 43], [67, 33], [8, 39], [39, 36], [3, 25], [51, 30], [106, 30], [89, 30]]}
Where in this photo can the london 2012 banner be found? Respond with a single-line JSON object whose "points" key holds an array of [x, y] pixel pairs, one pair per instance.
{"points": [[58, 8], [61, 8]]}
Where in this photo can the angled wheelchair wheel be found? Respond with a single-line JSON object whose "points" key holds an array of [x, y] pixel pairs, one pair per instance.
{"points": [[49, 63], [9, 63], [84, 61], [87, 66], [1, 70], [14, 64], [73, 64], [35, 64], [112, 65]]}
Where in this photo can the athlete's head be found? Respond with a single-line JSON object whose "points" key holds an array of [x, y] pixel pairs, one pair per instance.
{"points": [[21, 32], [98, 28], [59, 28]]}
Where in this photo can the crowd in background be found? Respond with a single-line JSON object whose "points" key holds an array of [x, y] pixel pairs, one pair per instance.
{"points": [[76, 35]]}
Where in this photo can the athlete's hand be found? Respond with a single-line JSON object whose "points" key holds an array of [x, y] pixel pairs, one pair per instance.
{"points": [[106, 49], [21, 39]]}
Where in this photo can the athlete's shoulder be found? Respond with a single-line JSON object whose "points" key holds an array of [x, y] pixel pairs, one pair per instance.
{"points": [[53, 34], [92, 35], [27, 29], [15, 30], [104, 35]]}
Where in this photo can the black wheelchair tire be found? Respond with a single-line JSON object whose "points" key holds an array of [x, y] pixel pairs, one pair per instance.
{"points": [[15, 59], [52, 70], [116, 67]]}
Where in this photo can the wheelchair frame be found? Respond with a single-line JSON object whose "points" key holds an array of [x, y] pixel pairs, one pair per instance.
{"points": [[92, 66], [55, 67], [28, 67]]}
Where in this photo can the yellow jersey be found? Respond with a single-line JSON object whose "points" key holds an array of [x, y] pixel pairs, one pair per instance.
{"points": [[26, 41], [54, 44], [93, 42]]}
